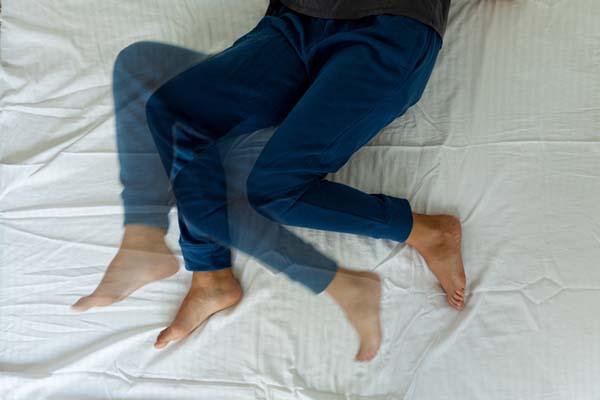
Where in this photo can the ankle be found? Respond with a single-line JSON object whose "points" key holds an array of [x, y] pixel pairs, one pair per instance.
{"points": [[219, 277], [138, 234], [347, 281], [432, 230]]}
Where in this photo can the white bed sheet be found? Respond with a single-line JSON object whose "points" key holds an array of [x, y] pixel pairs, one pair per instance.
{"points": [[506, 136]]}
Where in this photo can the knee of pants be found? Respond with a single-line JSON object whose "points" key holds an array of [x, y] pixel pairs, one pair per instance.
{"points": [[131, 58], [267, 197]]}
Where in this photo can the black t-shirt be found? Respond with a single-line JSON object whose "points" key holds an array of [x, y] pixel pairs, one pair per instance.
{"points": [[431, 12]]}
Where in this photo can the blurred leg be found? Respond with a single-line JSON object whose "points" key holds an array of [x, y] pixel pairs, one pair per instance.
{"points": [[138, 71], [250, 85], [143, 255]]}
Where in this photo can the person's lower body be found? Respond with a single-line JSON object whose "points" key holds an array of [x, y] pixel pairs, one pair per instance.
{"points": [[331, 85], [150, 161]]}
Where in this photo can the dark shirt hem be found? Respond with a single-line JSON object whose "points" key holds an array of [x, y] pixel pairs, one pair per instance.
{"points": [[358, 13]]}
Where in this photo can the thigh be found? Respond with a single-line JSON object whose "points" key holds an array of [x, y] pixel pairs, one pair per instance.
{"points": [[369, 78], [259, 77], [152, 63]]}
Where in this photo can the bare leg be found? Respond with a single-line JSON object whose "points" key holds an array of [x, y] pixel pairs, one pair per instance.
{"points": [[210, 292], [438, 239], [143, 257]]}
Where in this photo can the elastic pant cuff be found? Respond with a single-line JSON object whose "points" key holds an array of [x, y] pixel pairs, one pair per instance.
{"points": [[315, 279], [401, 221], [159, 220], [205, 257]]}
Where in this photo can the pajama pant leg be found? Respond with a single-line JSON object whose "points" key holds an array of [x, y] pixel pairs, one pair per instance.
{"points": [[251, 85], [365, 78]]}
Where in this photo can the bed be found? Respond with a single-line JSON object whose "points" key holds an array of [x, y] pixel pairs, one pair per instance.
{"points": [[506, 137]]}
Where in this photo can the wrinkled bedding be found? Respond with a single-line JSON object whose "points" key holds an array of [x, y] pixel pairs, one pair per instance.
{"points": [[506, 137]]}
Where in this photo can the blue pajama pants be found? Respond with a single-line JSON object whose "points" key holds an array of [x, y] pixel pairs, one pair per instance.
{"points": [[329, 85]]}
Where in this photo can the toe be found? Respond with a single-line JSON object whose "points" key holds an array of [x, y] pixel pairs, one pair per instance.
{"points": [[362, 355], [453, 303], [83, 304], [459, 304], [93, 300], [170, 334], [163, 338], [366, 352]]}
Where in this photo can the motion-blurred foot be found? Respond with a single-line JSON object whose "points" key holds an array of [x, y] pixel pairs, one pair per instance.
{"points": [[438, 239], [209, 293], [358, 293], [143, 257]]}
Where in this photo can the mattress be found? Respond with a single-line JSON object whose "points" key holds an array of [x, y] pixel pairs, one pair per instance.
{"points": [[506, 137]]}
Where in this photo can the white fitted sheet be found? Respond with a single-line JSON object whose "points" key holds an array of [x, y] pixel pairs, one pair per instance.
{"points": [[506, 136]]}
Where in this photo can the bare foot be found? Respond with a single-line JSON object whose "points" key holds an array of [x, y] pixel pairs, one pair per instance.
{"points": [[359, 295], [143, 257], [438, 239], [210, 292]]}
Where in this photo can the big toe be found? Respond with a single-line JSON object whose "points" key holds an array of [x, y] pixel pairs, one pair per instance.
{"points": [[172, 333], [83, 304], [87, 302], [367, 351]]}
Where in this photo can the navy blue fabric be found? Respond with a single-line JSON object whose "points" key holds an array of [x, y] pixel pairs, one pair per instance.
{"points": [[328, 85]]}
